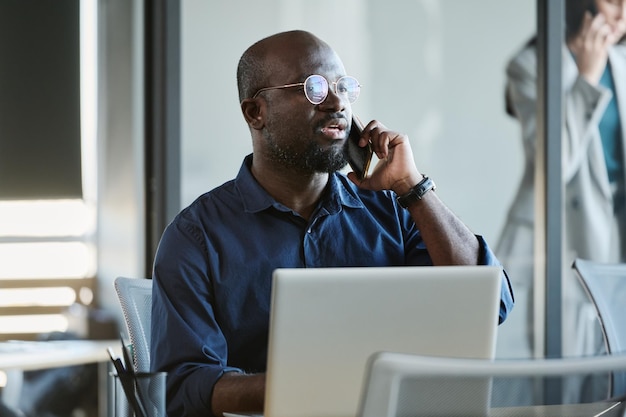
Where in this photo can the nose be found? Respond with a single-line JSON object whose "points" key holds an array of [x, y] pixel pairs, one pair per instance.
{"points": [[334, 102]]}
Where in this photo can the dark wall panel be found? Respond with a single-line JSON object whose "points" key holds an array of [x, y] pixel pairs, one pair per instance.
{"points": [[40, 154]]}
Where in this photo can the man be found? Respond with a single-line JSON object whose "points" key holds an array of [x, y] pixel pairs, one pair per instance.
{"points": [[288, 207]]}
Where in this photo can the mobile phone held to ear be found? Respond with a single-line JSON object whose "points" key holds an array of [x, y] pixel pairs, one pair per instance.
{"points": [[359, 158]]}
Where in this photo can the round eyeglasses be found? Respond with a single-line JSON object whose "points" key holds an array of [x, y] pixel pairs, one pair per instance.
{"points": [[316, 88]]}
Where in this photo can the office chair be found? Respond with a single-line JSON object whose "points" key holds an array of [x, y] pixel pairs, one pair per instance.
{"points": [[11, 393], [408, 385], [135, 297], [605, 285]]}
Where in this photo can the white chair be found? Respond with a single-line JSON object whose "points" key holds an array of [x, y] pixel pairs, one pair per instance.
{"points": [[135, 297], [406, 385], [605, 284], [11, 393]]}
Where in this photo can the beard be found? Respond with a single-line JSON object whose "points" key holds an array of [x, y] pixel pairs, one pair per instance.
{"points": [[309, 159]]}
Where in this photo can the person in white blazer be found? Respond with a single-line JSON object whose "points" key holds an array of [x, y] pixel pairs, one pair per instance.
{"points": [[593, 155]]}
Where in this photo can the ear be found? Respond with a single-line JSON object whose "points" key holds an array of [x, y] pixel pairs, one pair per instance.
{"points": [[253, 111]]}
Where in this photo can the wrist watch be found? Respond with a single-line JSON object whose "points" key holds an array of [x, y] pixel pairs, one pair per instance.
{"points": [[417, 192]]}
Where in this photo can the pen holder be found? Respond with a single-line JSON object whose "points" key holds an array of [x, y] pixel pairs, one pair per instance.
{"points": [[149, 388]]}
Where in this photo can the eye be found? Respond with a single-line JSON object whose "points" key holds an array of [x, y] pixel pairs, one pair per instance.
{"points": [[316, 88]]}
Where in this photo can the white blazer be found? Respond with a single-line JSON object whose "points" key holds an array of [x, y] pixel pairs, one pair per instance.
{"points": [[589, 220]]}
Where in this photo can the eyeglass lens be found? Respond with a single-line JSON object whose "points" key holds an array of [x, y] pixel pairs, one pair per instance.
{"points": [[316, 88]]}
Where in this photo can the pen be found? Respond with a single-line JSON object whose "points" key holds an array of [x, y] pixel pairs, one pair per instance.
{"points": [[128, 385], [130, 369], [127, 358]]}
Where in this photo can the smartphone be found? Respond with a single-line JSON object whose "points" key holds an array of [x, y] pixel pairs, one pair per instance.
{"points": [[592, 8], [359, 158]]}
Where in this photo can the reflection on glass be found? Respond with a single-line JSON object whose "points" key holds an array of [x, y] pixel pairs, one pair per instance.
{"points": [[593, 69]]}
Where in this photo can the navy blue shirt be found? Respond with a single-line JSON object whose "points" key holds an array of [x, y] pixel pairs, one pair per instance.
{"points": [[213, 268]]}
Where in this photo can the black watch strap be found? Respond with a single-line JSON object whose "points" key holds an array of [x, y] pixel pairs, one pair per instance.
{"points": [[417, 192]]}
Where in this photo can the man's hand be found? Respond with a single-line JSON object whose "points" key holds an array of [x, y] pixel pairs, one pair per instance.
{"points": [[448, 240], [396, 168], [237, 392]]}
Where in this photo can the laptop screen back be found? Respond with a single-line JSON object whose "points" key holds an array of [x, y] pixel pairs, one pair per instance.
{"points": [[325, 323]]}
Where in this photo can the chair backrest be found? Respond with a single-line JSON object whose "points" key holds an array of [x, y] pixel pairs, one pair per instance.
{"points": [[400, 384], [135, 297], [605, 284]]}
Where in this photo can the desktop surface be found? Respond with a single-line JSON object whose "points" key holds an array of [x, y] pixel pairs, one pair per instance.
{"points": [[598, 409], [33, 355]]}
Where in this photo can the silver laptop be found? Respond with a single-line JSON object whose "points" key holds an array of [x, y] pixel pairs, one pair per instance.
{"points": [[325, 323]]}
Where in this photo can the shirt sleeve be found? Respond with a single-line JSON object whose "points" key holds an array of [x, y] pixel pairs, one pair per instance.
{"points": [[507, 300], [417, 254], [186, 340]]}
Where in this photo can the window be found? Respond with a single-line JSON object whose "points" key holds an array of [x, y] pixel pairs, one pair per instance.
{"points": [[48, 228]]}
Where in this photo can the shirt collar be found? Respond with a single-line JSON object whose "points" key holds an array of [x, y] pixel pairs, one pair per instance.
{"points": [[339, 192]]}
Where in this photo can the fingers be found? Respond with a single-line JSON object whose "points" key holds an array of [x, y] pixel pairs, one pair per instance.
{"points": [[599, 34], [591, 47], [620, 29], [584, 30], [604, 37], [381, 138], [395, 167]]}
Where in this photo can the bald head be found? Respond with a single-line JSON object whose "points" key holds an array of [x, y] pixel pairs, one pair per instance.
{"points": [[270, 54]]}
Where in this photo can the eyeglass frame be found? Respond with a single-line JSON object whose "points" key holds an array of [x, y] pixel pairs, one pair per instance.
{"points": [[302, 84]]}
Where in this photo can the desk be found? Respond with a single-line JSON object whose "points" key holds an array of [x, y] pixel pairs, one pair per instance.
{"points": [[598, 409], [604, 409], [31, 356]]}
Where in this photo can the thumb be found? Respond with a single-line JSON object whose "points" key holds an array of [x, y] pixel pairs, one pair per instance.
{"points": [[364, 183]]}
